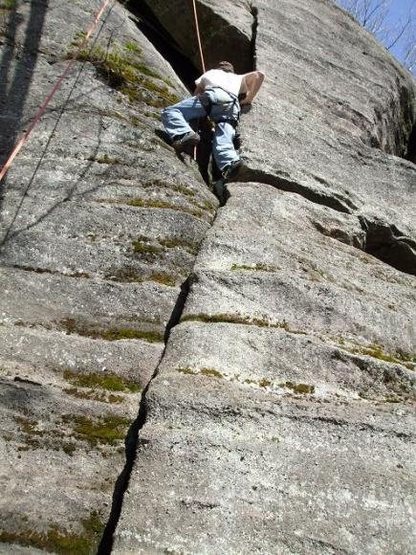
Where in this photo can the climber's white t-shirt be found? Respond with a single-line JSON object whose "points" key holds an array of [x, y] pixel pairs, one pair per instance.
{"points": [[230, 82]]}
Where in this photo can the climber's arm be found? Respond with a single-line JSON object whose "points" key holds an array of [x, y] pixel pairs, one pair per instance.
{"points": [[250, 86]]}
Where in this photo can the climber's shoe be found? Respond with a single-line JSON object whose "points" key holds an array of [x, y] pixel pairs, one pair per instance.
{"points": [[234, 171], [189, 139]]}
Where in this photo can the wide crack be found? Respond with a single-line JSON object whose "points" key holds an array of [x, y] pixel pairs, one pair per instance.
{"points": [[407, 126], [411, 147], [132, 441]]}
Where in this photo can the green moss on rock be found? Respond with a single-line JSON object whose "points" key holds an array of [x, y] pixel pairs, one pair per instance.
{"points": [[161, 204], [92, 395], [377, 351], [107, 381], [8, 4], [209, 372], [103, 159], [223, 318], [105, 430], [58, 540], [141, 247], [71, 326], [186, 370], [124, 69], [259, 267], [300, 388], [34, 438], [163, 278]]}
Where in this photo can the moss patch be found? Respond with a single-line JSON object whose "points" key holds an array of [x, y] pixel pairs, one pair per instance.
{"points": [[192, 248], [35, 438], [123, 69], [126, 275], [105, 430], [163, 278], [300, 388], [209, 372], [115, 334], [103, 159], [259, 267], [131, 275], [376, 351], [161, 204], [107, 381], [92, 395], [61, 541], [109, 334], [143, 247], [159, 183], [8, 4], [237, 319]]}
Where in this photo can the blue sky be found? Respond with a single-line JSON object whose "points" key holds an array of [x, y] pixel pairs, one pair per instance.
{"points": [[395, 14], [398, 12], [400, 7]]}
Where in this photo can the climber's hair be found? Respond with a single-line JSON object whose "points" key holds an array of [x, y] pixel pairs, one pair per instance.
{"points": [[226, 66]]}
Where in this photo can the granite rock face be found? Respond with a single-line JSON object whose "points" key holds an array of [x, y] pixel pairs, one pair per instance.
{"points": [[274, 338], [100, 223], [282, 416]]}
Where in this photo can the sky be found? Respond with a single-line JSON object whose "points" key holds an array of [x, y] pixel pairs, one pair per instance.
{"points": [[395, 16], [399, 10]]}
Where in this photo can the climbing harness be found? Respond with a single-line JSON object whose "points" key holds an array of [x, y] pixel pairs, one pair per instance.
{"points": [[53, 91], [217, 96]]}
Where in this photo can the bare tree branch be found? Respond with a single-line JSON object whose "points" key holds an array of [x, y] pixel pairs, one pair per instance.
{"points": [[373, 15]]}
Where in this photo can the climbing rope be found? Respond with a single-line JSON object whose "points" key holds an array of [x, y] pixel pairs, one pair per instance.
{"points": [[53, 91], [198, 37]]}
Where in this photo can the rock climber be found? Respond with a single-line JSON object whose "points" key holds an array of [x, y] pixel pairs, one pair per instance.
{"points": [[219, 94]]}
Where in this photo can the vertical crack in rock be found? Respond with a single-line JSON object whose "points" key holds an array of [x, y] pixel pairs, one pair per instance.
{"points": [[133, 441], [149, 25], [164, 43], [405, 134], [255, 13], [393, 124], [178, 308], [411, 147], [221, 39]]}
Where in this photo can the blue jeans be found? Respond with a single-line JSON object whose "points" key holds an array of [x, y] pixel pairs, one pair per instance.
{"points": [[175, 119]]}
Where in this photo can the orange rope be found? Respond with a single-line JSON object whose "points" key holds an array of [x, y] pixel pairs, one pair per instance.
{"points": [[200, 50], [55, 88], [199, 37]]}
